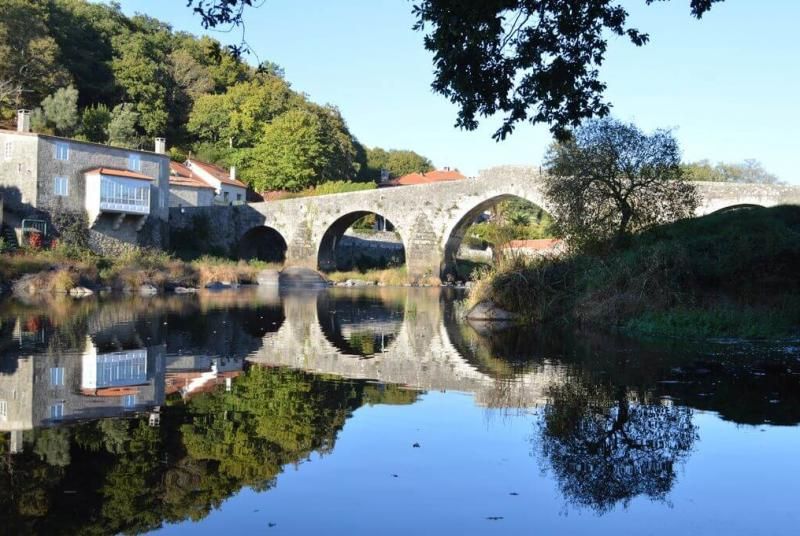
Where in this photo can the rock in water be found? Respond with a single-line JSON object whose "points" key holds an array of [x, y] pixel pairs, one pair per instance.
{"points": [[268, 278], [80, 292], [297, 277], [148, 290], [488, 311]]}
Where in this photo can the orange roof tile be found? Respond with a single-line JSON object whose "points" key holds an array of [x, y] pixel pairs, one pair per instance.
{"points": [[180, 175], [119, 173], [537, 245], [216, 172], [439, 175]]}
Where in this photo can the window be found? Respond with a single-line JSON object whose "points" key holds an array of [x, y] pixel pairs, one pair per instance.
{"points": [[3, 409], [134, 162], [129, 401], [225, 195], [61, 186], [238, 197], [57, 376], [9, 149], [62, 150], [57, 410]]}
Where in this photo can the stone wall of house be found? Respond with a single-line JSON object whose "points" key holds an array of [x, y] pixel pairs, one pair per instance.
{"points": [[85, 156], [189, 196], [18, 171]]}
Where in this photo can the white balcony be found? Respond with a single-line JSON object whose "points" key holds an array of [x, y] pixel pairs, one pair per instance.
{"points": [[118, 192], [118, 196]]}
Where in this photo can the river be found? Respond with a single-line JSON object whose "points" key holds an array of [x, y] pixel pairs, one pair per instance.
{"points": [[379, 410]]}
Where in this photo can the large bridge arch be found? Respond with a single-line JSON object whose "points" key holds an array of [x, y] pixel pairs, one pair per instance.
{"points": [[456, 228], [263, 243], [332, 235]]}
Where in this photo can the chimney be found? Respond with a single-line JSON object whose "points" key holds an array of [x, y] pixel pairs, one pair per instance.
{"points": [[161, 146], [23, 120], [233, 172]]}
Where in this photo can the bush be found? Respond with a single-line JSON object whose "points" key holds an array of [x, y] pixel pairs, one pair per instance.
{"points": [[713, 272]]}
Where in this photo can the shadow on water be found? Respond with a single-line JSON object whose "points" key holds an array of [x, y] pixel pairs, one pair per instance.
{"points": [[122, 415]]}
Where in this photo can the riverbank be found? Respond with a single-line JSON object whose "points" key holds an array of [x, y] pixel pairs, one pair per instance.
{"points": [[728, 274], [63, 270]]}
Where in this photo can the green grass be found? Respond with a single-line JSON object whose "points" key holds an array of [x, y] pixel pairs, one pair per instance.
{"points": [[728, 274]]}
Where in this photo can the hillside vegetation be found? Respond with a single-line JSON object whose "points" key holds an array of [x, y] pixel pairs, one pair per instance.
{"points": [[729, 274], [89, 71]]}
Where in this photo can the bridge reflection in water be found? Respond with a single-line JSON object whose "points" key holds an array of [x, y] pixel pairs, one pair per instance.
{"points": [[247, 382]]}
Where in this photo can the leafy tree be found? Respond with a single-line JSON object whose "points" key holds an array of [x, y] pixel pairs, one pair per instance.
{"points": [[58, 113], [291, 154], [140, 70], [122, 126], [748, 171], [611, 179], [396, 162], [84, 33], [29, 67], [95, 121]]}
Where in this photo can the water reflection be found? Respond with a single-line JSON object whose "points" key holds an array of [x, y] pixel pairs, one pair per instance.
{"points": [[119, 416]]}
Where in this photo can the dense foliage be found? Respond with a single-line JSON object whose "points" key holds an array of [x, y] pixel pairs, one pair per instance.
{"points": [[731, 273], [750, 171], [89, 71]]}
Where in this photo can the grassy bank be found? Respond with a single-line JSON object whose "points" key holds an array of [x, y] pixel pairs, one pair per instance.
{"points": [[386, 276], [728, 274], [63, 268]]}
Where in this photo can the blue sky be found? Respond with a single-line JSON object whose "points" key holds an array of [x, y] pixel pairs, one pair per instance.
{"points": [[728, 85]]}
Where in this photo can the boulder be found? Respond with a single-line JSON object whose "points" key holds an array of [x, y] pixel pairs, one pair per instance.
{"points": [[148, 290], [298, 277], [80, 292], [268, 278], [218, 285], [488, 311], [184, 290]]}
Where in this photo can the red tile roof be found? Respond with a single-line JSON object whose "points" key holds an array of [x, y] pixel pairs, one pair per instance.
{"points": [[439, 175], [535, 245], [119, 173], [216, 172], [180, 175]]}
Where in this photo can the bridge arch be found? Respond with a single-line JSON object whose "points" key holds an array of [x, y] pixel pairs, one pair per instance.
{"points": [[381, 253], [262, 243], [457, 229]]}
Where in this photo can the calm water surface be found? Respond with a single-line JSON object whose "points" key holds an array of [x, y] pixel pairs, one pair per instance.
{"points": [[379, 411]]}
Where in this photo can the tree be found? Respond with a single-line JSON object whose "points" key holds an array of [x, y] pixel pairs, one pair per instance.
{"points": [[396, 162], [748, 171], [533, 60], [95, 121], [59, 112], [122, 126], [29, 67], [291, 154], [611, 179], [140, 70]]}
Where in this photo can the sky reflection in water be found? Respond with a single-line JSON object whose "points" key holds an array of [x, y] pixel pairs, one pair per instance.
{"points": [[378, 410]]}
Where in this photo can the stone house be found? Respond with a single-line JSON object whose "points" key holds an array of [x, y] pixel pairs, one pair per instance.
{"points": [[227, 188], [188, 190], [123, 192]]}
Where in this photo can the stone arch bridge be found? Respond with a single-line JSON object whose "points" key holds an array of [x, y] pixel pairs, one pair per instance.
{"points": [[431, 219]]}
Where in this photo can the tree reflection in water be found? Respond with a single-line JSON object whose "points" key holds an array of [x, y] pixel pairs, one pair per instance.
{"points": [[123, 476], [606, 445]]}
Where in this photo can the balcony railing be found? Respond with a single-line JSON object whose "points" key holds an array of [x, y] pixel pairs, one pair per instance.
{"points": [[118, 196]]}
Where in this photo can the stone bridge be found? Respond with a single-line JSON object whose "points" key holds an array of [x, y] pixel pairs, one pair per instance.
{"points": [[431, 219]]}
